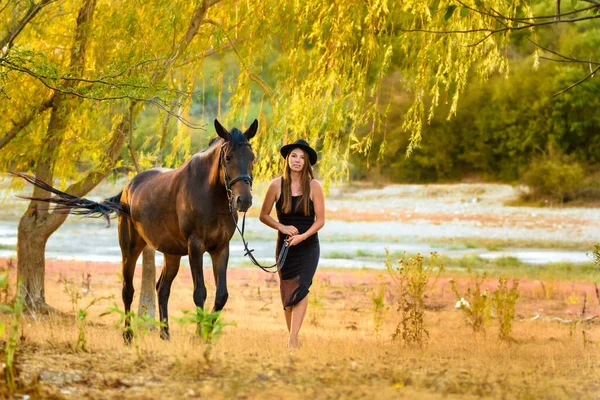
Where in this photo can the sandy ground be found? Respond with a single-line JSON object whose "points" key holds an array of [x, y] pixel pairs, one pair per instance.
{"points": [[343, 356]]}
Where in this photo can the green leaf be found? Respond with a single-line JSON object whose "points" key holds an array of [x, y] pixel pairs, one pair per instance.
{"points": [[6, 308], [573, 4], [464, 11], [449, 12]]}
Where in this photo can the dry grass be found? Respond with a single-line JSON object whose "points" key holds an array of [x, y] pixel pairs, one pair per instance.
{"points": [[341, 356]]}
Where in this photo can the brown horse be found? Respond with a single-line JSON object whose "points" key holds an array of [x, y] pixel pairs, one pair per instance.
{"points": [[185, 211]]}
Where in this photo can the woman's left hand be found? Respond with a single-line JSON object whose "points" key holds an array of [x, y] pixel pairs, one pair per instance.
{"points": [[294, 240]]}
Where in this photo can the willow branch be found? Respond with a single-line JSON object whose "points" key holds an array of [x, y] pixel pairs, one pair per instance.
{"points": [[493, 31], [564, 58], [496, 14], [152, 100], [34, 9], [588, 76], [211, 52], [23, 123], [91, 81], [255, 78]]}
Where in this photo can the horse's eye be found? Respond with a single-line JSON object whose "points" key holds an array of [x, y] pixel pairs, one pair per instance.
{"points": [[227, 158]]}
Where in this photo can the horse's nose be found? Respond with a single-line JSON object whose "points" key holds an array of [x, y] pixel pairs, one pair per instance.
{"points": [[243, 203]]}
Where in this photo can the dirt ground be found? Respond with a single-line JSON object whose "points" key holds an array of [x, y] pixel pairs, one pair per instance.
{"points": [[552, 354]]}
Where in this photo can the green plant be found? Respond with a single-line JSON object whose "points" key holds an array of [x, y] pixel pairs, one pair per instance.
{"points": [[475, 303], [137, 327], [504, 305], [316, 303], [10, 348], [81, 324], [595, 256], [413, 281], [379, 307], [73, 293], [554, 177], [208, 326], [4, 287]]}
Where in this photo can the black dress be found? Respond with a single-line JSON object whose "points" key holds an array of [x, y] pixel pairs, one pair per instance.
{"points": [[301, 263]]}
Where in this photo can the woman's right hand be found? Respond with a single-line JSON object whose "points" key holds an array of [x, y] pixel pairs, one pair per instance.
{"points": [[289, 230]]}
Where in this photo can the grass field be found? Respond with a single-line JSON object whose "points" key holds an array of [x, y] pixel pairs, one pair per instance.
{"points": [[343, 355]]}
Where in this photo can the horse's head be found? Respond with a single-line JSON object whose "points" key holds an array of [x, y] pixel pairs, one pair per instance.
{"points": [[237, 159]]}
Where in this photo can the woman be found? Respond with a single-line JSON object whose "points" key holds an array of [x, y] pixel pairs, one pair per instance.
{"points": [[300, 206]]}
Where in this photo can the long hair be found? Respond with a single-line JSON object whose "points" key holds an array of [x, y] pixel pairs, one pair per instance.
{"points": [[305, 177]]}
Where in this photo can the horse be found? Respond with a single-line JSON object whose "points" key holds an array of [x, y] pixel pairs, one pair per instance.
{"points": [[185, 211]]}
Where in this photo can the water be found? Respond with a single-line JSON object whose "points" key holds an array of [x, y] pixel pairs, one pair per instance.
{"points": [[90, 240]]}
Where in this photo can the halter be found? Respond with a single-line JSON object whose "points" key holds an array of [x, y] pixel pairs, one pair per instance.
{"points": [[247, 252], [230, 182]]}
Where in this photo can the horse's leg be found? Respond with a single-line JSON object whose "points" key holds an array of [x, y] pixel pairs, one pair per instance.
{"points": [[219, 261], [132, 245], [195, 252], [163, 287]]}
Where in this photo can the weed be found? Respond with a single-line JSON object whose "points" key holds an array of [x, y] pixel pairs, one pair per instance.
{"points": [[138, 325], [475, 304], [316, 303], [413, 281], [379, 307], [4, 287], [548, 290], [504, 305], [81, 323], [208, 326], [10, 349], [73, 293]]}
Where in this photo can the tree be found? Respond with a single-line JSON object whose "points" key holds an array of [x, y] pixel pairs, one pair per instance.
{"points": [[79, 73], [59, 134], [123, 57], [448, 39]]}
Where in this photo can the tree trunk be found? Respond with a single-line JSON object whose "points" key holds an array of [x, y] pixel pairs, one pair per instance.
{"points": [[33, 234], [148, 293], [37, 224]]}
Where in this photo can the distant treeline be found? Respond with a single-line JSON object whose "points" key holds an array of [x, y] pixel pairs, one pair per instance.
{"points": [[510, 129], [503, 128]]}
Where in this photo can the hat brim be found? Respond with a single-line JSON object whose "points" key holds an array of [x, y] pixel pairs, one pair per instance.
{"points": [[312, 155]]}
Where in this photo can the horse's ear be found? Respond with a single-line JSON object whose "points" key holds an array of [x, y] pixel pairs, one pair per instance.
{"points": [[250, 132], [222, 131]]}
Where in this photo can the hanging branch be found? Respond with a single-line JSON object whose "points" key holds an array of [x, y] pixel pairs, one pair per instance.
{"points": [[34, 9], [526, 23], [505, 29], [255, 78], [154, 100], [588, 76]]}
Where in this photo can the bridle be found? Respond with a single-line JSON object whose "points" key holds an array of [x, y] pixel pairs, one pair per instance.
{"points": [[247, 252]]}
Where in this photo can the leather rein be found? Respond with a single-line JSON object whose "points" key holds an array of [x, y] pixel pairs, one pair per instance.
{"points": [[248, 252]]}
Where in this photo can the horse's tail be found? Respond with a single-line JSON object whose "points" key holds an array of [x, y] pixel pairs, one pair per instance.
{"points": [[69, 204]]}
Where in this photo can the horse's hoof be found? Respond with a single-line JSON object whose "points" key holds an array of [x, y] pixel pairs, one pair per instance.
{"points": [[164, 335], [128, 336]]}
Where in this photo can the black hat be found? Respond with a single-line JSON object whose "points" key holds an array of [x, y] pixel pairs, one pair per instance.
{"points": [[300, 144]]}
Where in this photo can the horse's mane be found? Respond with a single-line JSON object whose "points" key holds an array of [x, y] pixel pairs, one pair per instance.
{"points": [[212, 141]]}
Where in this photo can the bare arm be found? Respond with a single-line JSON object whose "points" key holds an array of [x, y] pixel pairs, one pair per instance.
{"points": [[267, 206], [318, 199]]}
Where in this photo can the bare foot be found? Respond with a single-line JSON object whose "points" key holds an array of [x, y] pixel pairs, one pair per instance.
{"points": [[294, 344]]}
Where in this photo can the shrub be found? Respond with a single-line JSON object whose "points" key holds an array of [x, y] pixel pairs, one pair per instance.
{"points": [[475, 303], [504, 304], [553, 177], [414, 281]]}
